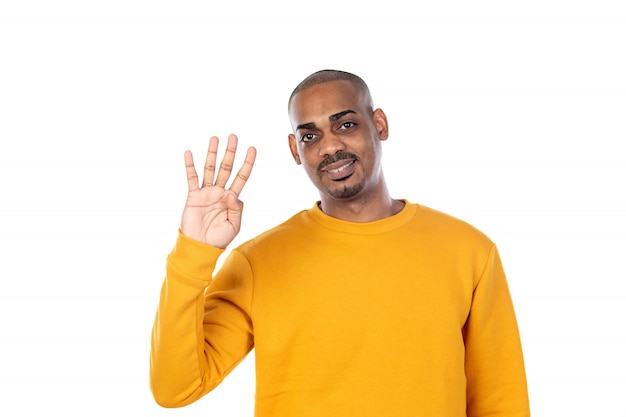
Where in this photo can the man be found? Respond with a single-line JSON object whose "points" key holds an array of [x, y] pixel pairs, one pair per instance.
{"points": [[363, 305]]}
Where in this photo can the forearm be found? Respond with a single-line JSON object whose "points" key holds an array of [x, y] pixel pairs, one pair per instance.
{"points": [[177, 360]]}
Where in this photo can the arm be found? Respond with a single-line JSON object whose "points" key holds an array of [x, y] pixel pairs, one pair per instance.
{"points": [[187, 358], [494, 365]]}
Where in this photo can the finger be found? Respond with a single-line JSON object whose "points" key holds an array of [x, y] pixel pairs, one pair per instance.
{"points": [[226, 167], [235, 208], [244, 172], [209, 164], [192, 175]]}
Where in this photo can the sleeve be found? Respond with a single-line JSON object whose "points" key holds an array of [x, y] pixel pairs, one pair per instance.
{"points": [[494, 365], [202, 328]]}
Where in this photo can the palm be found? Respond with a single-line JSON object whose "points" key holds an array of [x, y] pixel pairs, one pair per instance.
{"points": [[212, 213]]}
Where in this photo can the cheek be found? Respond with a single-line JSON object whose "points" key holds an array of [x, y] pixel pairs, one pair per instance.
{"points": [[310, 168], [309, 159]]}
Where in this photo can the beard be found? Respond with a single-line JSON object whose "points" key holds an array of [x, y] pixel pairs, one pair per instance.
{"points": [[345, 192], [338, 156]]}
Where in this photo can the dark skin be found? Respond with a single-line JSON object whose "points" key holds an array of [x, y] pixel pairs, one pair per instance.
{"points": [[338, 140], [212, 213]]}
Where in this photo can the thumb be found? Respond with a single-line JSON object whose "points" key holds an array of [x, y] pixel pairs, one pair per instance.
{"points": [[235, 207]]}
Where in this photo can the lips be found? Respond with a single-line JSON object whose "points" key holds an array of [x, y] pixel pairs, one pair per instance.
{"points": [[339, 170]]}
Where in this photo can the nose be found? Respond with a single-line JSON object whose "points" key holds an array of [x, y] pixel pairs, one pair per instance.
{"points": [[330, 144]]}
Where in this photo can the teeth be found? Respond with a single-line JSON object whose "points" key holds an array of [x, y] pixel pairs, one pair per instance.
{"points": [[341, 168]]}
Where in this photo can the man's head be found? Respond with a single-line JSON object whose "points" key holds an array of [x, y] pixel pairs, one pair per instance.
{"points": [[325, 76], [337, 136]]}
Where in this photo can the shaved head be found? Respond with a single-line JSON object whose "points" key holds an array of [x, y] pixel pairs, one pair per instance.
{"points": [[325, 76]]}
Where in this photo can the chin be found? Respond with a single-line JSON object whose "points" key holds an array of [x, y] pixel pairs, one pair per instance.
{"points": [[347, 192]]}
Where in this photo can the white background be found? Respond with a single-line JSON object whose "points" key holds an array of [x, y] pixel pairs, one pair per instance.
{"points": [[508, 114]]}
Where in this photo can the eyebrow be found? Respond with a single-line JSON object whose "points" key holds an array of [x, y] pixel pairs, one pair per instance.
{"points": [[332, 118], [337, 116]]}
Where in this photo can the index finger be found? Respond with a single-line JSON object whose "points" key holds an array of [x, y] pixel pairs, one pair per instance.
{"points": [[244, 172]]}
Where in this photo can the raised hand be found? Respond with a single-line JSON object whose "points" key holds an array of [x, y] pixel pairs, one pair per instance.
{"points": [[212, 213]]}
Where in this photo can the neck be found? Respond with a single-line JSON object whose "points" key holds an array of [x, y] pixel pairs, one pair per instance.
{"points": [[361, 210]]}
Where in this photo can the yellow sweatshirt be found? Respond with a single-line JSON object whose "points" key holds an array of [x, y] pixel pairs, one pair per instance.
{"points": [[405, 316]]}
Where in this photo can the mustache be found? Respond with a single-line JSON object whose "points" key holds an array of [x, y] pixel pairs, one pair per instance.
{"points": [[340, 155]]}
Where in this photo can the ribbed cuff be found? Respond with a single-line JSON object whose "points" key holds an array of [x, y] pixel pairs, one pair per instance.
{"points": [[193, 259]]}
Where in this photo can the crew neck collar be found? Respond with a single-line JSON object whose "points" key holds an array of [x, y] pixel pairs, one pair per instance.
{"points": [[378, 226]]}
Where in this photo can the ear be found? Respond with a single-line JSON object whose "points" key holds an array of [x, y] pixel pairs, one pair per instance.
{"points": [[380, 121], [293, 147]]}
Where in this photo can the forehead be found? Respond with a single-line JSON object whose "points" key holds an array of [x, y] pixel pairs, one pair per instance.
{"points": [[323, 100]]}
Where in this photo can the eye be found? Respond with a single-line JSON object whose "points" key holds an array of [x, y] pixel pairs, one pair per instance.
{"points": [[347, 125], [307, 137]]}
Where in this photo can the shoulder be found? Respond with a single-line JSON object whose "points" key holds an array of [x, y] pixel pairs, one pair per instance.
{"points": [[449, 227], [278, 236]]}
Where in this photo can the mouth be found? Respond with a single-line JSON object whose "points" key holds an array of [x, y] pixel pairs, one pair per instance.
{"points": [[340, 170]]}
